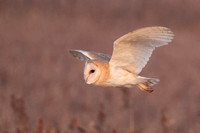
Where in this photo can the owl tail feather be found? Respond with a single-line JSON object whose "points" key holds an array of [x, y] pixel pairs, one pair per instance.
{"points": [[145, 84]]}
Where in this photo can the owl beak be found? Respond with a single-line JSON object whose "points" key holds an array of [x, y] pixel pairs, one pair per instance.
{"points": [[86, 80]]}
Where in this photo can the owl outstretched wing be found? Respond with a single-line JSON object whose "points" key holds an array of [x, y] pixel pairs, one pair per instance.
{"points": [[133, 50], [90, 56]]}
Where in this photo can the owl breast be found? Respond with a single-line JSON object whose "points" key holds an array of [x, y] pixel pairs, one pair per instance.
{"points": [[121, 78], [115, 77]]}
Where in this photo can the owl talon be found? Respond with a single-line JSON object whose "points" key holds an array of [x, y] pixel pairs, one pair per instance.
{"points": [[144, 87]]}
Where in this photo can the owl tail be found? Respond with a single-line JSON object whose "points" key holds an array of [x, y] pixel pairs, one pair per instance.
{"points": [[145, 84]]}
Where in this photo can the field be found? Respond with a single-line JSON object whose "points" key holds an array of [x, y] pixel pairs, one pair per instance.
{"points": [[42, 89]]}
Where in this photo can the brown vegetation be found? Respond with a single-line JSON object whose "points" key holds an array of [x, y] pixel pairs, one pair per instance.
{"points": [[42, 89]]}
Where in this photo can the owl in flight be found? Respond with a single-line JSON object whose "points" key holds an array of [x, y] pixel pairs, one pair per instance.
{"points": [[131, 53]]}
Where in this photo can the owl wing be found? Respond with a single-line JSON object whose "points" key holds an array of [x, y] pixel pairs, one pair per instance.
{"points": [[89, 55], [133, 50]]}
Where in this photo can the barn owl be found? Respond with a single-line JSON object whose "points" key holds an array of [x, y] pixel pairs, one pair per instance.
{"points": [[131, 53]]}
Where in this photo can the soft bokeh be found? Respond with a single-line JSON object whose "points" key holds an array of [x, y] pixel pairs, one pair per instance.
{"points": [[42, 87]]}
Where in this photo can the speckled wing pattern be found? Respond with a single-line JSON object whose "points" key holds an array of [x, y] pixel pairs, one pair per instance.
{"points": [[133, 50], [90, 56]]}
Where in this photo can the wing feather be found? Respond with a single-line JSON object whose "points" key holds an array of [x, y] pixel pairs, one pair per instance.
{"points": [[89, 55], [133, 50]]}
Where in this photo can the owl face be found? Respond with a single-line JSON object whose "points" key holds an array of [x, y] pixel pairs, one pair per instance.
{"points": [[91, 73]]}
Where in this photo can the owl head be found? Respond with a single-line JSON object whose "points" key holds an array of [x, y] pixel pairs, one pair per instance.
{"points": [[96, 69], [91, 73]]}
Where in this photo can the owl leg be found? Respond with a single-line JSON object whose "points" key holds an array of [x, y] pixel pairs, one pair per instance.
{"points": [[144, 87], [145, 84]]}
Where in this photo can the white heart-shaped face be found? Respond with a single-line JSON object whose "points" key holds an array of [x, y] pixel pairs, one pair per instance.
{"points": [[91, 73]]}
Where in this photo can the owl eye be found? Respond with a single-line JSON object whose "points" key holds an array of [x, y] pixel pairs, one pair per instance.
{"points": [[92, 71]]}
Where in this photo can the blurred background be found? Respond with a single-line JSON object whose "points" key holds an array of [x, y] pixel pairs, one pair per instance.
{"points": [[42, 89]]}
